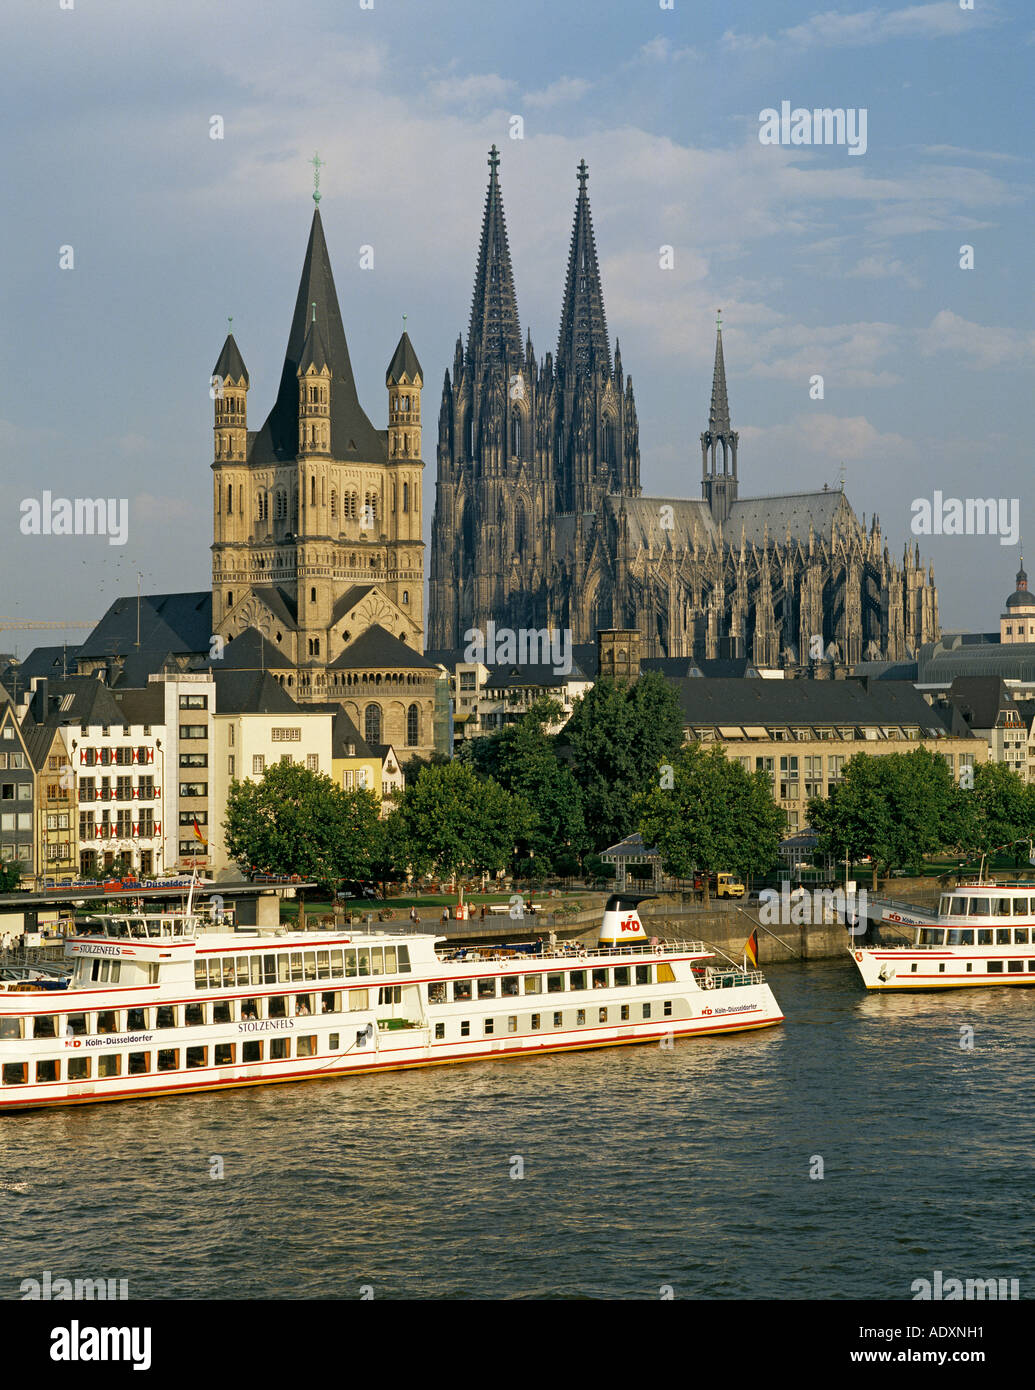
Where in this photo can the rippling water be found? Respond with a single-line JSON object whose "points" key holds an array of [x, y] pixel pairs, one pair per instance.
{"points": [[643, 1167]]}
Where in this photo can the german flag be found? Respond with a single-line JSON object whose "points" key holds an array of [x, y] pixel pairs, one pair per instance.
{"points": [[197, 832], [751, 949]]}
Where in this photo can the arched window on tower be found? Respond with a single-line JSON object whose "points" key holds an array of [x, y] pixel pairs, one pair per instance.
{"points": [[372, 724], [520, 528], [412, 727], [334, 502], [515, 434], [229, 498], [406, 497], [610, 448]]}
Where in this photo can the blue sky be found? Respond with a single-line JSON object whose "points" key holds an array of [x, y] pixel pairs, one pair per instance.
{"points": [[821, 262]]}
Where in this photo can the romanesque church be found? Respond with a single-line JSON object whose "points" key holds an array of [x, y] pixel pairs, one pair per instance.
{"points": [[540, 520]]}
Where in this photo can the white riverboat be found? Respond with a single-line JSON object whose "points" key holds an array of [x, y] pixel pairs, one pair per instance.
{"points": [[982, 934], [157, 1004]]}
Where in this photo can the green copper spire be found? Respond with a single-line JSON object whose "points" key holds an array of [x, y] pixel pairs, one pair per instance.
{"points": [[317, 164]]}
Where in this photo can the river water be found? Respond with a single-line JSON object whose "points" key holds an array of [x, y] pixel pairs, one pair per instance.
{"points": [[645, 1170]]}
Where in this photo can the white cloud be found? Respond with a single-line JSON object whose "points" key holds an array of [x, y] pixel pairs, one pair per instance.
{"points": [[563, 90], [478, 89], [982, 346], [831, 29], [879, 268]]}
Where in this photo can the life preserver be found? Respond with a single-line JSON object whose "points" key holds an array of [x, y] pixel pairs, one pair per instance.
{"points": [[858, 955]]}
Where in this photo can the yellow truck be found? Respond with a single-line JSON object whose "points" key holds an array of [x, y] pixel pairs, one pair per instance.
{"points": [[723, 885]]}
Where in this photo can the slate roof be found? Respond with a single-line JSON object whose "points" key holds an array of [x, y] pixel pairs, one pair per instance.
{"points": [[168, 623], [41, 661], [251, 651], [344, 733], [280, 603], [252, 692], [376, 648], [404, 360], [230, 363], [144, 705], [91, 703], [516, 677], [348, 599], [794, 510], [980, 700], [1011, 661], [776, 702], [353, 437], [696, 668], [39, 740]]}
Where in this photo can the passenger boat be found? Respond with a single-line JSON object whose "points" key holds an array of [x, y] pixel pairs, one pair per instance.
{"points": [[157, 1004], [982, 934]]}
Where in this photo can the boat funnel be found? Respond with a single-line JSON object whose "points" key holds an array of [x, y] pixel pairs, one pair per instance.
{"points": [[621, 925]]}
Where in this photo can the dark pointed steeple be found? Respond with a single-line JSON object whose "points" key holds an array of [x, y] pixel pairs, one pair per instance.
{"points": [[494, 327], [404, 362], [230, 362], [582, 345], [719, 411], [352, 434]]}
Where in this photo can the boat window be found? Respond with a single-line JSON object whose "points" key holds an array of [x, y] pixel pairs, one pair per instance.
{"points": [[167, 929], [931, 936], [957, 907], [139, 1063], [193, 1015], [994, 967], [665, 974], [154, 929], [303, 1005], [243, 971], [283, 969], [119, 929], [229, 974], [1020, 935], [296, 965], [643, 978], [646, 1010], [109, 1064], [580, 1016], [215, 973], [309, 964], [668, 1002], [359, 999], [979, 907], [200, 974], [390, 994], [603, 1015], [490, 1026], [323, 965], [1002, 936], [943, 905], [338, 964], [224, 1054], [46, 1025], [390, 966], [536, 1019], [79, 1068], [1002, 906], [509, 986], [961, 936], [136, 1020], [533, 984], [223, 1011], [76, 1025], [487, 989], [1020, 907], [269, 970], [168, 1058], [984, 936], [625, 1013], [377, 961], [137, 928], [461, 990], [276, 1006], [197, 1057], [554, 983], [437, 992], [330, 1001], [576, 979], [166, 1017], [249, 1009], [47, 1071], [305, 1047], [255, 969], [13, 1027], [558, 1020], [251, 1052], [600, 979], [621, 975], [404, 960], [107, 1021], [279, 1049], [465, 1028], [364, 961], [334, 1039]]}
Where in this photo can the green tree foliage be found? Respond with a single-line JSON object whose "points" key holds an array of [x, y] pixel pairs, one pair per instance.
{"points": [[715, 816], [895, 807], [522, 758], [1002, 807], [10, 877], [618, 737], [298, 822], [454, 822]]}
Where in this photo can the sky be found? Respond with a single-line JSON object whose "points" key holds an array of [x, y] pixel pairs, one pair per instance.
{"points": [[824, 263]]}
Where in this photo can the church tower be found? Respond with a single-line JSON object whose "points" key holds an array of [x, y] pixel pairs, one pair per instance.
{"points": [[230, 442], [719, 443]]}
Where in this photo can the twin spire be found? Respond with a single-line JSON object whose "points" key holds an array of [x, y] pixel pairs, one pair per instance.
{"points": [[719, 410], [494, 330]]}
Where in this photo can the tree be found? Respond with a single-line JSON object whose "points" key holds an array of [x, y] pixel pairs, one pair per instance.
{"points": [[714, 816], [454, 822], [10, 877], [522, 758], [1002, 806], [618, 738], [298, 822]]}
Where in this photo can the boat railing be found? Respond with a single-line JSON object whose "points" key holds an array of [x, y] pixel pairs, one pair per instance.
{"points": [[728, 977], [574, 953], [140, 928]]}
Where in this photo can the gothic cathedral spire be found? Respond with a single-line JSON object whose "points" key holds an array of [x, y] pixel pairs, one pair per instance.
{"points": [[719, 442], [583, 345], [494, 331]]}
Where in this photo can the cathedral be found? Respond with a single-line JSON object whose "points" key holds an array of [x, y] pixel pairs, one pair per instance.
{"points": [[318, 543], [540, 521]]}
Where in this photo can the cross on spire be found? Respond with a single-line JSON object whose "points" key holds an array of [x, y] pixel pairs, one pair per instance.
{"points": [[494, 159], [317, 164], [583, 173]]}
